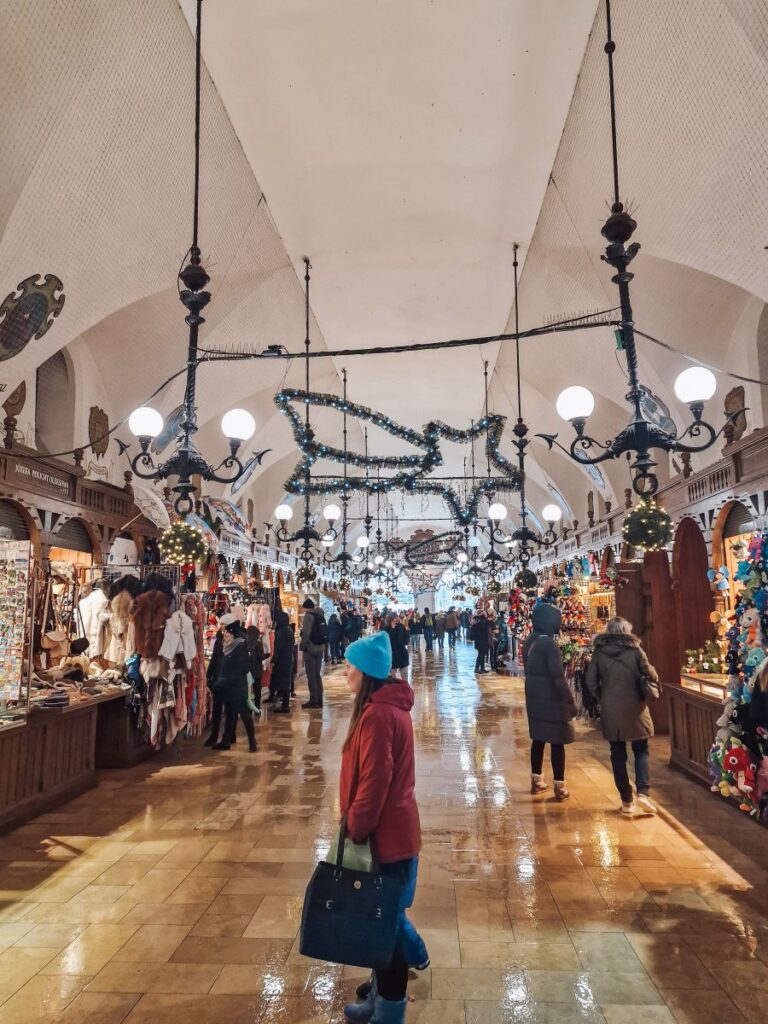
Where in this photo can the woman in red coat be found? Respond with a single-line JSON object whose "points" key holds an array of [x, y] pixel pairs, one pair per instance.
{"points": [[378, 777]]}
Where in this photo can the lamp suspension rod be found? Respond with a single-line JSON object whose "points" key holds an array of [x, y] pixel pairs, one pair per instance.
{"points": [[610, 47], [517, 336], [198, 76]]}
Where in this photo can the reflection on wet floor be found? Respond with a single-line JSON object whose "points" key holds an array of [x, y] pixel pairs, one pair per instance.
{"points": [[175, 889]]}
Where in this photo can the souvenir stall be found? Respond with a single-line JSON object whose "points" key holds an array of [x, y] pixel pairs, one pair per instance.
{"points": [[58, 524], [738, 760]]}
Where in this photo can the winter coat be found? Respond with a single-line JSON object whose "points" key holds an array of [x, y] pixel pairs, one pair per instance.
{"points": [[232, 681], [306, 631], [212, 672], [398, 638], [179, 638], [334, 629], [353, 628], [479, 634], [282, 659], [256, 653], [615, 678], [451, 620], [150, 614], [549, 702], [378, 776], [439, 627], [121, 635], [758, 707], [92, 611]]}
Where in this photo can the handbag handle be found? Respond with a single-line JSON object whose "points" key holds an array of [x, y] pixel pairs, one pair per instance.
{"points": [[375, 865]]}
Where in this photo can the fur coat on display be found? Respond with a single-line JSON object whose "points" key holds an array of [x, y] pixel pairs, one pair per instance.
{"points": [[150, 614], [92, 611], [179, 638], [121, 634]]}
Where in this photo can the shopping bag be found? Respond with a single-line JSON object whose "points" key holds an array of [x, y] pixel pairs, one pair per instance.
{"points": [[356, 856], [350, 917]]}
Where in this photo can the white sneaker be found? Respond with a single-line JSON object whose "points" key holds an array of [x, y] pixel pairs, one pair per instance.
{"points": [[645, 803], [637, 810]]}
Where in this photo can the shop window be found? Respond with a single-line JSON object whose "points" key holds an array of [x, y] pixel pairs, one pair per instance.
{"points": [[55, 406], [73, 544], [13, 526], [737, 532]]}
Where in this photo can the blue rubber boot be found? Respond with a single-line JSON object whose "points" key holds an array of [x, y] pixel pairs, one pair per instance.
{"points": [[361, 1013], [386, 1011]]}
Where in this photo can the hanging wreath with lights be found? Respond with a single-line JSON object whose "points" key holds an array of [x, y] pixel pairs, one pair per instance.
{"points": [[366, 592], [494, 587], [525, 579], [648, 526], [344, 585], [305, 575], [181, 544], [473, 591]]}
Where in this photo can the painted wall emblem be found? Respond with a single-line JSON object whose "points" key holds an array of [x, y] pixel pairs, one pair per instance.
{"points": [[98, 431], [29, 313]]}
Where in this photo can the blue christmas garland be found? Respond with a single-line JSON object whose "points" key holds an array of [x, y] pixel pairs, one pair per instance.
{"points": [[412, 469]]}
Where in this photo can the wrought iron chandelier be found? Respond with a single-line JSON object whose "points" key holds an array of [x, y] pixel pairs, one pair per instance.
{"points": [[146, 423], [307, 536], [693, 386]]}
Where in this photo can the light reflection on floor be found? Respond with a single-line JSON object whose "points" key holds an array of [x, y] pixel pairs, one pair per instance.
{"points": [[174, 890]]}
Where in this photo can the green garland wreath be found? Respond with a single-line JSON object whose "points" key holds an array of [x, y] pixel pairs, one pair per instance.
{"points": [[182, 544], [648, 526]]}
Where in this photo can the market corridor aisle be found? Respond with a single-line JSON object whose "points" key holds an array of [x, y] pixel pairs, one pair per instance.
{"points": [[173, 891]]}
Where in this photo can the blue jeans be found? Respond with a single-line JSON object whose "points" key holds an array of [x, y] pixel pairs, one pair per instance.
{"points": [[642, 768], [409, 944], [335, 650], [428, 637]]}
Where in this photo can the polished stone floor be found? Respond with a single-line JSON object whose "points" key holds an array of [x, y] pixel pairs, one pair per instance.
{"points": [[173, 891]]}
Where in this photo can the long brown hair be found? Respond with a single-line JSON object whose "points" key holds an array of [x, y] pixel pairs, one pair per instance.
{"points": [[363, 698]]}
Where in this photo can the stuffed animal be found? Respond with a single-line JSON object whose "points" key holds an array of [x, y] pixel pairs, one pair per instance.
{"points": [[719, 578]]}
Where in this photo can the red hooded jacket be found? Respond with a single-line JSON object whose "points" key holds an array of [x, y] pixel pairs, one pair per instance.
{"points": [[381, 758]]}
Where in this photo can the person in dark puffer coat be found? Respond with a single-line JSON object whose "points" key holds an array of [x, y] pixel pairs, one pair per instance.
{"points": [[622, 680], [548, 699]]}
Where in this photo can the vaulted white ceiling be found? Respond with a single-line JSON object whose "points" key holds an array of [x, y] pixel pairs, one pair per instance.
{"points": [[404, 147]]}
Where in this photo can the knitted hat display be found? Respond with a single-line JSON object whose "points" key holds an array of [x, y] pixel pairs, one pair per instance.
{"points": [[372, 655]]}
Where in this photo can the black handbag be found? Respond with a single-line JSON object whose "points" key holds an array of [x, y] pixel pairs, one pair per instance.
{"points": [[350, 917]]}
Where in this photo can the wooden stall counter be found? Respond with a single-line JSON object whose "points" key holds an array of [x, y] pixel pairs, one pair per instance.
{"points": [[695, 704], [46, 761]]}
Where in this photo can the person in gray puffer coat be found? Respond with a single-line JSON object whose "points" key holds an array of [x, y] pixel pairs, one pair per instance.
{"points": [[548, 699], [622, 679]]}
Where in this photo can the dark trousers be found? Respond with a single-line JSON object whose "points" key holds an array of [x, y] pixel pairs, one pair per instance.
{"points": [[494, 657], [451, 637], [313, 663], [482, 654], [428, 637], [642, 768], [232, 711], [335, 650], [557, 754], [216, 715]]}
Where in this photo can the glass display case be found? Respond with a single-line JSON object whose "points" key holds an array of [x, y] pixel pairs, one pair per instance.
{"points": [[708, 684], [16, 599]]}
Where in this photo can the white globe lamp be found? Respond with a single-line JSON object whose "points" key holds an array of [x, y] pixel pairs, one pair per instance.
{"points": [[696, 384], [145, 422], [363, 542], [575, 403], [552, 513], [284, 513], [497, 512], [238, 425], [332, 513]]}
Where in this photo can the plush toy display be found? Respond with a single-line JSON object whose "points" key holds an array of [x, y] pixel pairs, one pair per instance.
{"points": [[738, 760]]}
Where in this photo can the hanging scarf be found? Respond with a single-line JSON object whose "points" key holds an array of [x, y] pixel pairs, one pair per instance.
{"points": [[229, 642]]}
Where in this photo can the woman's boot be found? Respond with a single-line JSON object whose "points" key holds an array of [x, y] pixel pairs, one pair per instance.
{"points": [[361, 1013], [386, 1011], [561, 791]]}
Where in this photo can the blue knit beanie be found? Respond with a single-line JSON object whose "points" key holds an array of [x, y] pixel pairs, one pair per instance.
{"points": [[372, 655]]}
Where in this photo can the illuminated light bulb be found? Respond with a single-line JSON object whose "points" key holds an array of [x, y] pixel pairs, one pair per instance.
{"points": [[696, 384], [332, 513], [238, 425], [284, 513], [575, 403], [145, 422], [363, 542], [552, 513], [379, 559], [461, 557], [497, 512]]}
